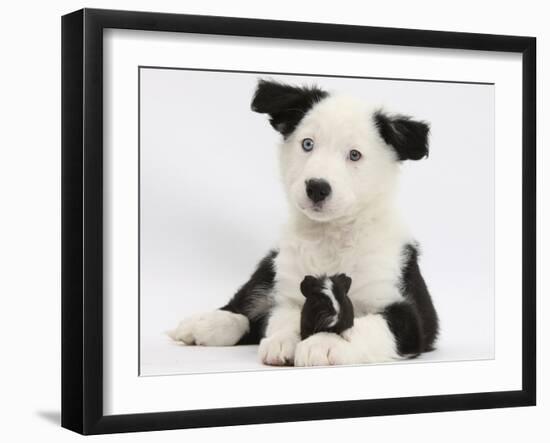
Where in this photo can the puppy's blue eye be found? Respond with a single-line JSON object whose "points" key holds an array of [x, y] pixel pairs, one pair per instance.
{"points": [[354, 155], [307, 144]]}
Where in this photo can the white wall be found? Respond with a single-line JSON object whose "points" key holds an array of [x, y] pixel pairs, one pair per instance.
{"points": [[181, 239], [30, 231]]}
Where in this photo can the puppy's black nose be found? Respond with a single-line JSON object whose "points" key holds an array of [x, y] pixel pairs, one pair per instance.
{"points": [[317, 189]]}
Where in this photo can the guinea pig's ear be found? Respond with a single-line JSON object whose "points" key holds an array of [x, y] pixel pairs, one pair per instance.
{"points": [[344, 281], [286, 105], [408, 137], [308, 285]]}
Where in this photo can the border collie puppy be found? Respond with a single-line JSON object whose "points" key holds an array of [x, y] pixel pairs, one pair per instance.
{"points": [[339, 162], [327, 307]]}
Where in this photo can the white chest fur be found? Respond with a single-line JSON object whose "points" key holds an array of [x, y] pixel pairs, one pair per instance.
{"points": [[368, 249]]}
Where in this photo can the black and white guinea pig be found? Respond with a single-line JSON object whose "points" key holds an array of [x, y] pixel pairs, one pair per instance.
{"points": [[327, 307]]}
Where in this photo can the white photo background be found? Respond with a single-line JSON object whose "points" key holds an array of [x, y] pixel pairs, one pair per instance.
{"points": [[211, 205]]}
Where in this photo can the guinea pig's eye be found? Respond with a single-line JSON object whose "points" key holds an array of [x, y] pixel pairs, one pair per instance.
{"points": [[307, 144], [354, 155]]}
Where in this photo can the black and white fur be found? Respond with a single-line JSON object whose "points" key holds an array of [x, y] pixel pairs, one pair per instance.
{"points": [[327, 307], [342, 219]]}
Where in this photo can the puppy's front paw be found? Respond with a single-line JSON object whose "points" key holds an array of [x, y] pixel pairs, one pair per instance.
{"points": [[278, 349], [216, 328], [323, 349]]}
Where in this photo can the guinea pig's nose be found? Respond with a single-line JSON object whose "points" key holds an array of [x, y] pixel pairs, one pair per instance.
{"points": [[317, 189]]}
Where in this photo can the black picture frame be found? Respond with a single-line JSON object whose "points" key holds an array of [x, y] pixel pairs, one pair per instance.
{"points": [[82, 220]]}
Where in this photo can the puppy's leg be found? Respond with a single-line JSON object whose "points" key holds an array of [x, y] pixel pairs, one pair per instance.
{"points": [[282, 336], [216, 328], [324, 349], [394, 334], [241, 321]]}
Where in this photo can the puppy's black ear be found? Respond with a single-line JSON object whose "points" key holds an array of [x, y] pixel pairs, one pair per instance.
{"points": [[308, 285], [286, 105], [408, 137], [344, 282]]}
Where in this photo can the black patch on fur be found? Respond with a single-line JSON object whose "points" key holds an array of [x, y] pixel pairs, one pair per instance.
{"points": [[254, 301], [318, 311], [286, 105], [408, 137], [406, 327], [413, 322]]}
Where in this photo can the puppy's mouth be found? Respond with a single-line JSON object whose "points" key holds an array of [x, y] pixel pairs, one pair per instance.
{"points": [[317, 207], [313, 207], [316, 211]]}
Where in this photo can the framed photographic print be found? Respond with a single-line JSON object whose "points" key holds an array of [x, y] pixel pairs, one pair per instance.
{"points": [[269, 221]]}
